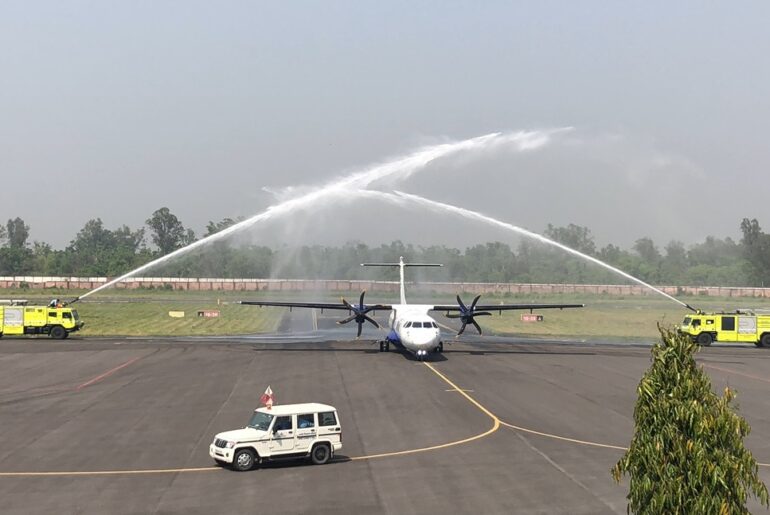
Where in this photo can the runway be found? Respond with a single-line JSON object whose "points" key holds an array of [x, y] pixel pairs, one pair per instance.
{"points": [[123, 426]]}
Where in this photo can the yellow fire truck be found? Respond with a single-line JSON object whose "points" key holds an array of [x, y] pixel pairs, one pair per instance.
{"points": [[57, 321], [738, 326]]}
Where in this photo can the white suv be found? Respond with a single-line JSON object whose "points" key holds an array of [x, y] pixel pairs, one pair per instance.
{"points": [[290, 431]]}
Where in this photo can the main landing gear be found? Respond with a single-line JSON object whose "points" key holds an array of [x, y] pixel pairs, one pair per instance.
{"points": [[384, 346]]}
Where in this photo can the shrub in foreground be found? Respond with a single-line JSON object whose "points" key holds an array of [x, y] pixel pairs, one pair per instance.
{"points": [[687, 453]]}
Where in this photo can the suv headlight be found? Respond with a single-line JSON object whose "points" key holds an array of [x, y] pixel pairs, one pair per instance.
{"points": [[229, 445]]}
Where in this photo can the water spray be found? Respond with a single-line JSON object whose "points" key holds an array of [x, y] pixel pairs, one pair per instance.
{"points": [[396, 169], [400, 197]]}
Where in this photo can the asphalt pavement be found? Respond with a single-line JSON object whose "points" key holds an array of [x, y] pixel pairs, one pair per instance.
{"points": [[123, 425]]}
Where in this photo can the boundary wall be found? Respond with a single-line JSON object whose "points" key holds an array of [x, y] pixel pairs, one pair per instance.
{"points": [[215, 284]]}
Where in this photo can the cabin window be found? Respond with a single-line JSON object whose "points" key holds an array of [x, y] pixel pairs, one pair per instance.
{"points": [[66, 315], [52, 314], [728, 323], [305, 421], [327, 418]]}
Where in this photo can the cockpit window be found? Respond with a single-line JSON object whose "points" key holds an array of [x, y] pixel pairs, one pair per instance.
{"points": [[434, 325], [408, 324]]}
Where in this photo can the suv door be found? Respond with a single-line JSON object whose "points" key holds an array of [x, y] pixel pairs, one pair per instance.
{"points": [[282, 435], [306, 431]]}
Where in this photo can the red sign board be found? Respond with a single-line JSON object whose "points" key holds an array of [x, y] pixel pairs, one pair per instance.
{"points": [[208, 313], [531, 317]]}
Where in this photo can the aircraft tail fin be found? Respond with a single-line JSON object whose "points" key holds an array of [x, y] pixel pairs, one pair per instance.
{"points": [[402, 265]]}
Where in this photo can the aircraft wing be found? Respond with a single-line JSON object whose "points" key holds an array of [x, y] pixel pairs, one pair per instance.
{"points": [[317, 305], [504, 307]]}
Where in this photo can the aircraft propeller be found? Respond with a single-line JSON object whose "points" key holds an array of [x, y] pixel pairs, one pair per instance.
{"points": [[359, 314], [466, 314]]}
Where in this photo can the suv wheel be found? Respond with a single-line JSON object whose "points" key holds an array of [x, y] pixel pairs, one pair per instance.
{"points": [[58, 332], [704, 339], [320, 454], [765, 341], [243, 460]]}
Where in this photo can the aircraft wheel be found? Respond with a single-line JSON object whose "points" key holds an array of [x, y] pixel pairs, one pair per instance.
{"points": [[440, 347]]}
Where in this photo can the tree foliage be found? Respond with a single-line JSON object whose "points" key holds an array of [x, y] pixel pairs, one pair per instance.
{"points": [[687, 453], [756, 250], [97, 250], [167, 230]]}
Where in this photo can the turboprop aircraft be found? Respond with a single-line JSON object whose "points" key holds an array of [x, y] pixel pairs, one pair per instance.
{"points": [[410, 326]]}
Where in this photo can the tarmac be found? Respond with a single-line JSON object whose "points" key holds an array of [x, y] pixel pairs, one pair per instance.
{"points": [[123, 425]]}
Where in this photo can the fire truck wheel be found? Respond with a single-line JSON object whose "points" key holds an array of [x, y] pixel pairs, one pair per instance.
{"points": [[765, 341], [704, 339], [58, 332]]}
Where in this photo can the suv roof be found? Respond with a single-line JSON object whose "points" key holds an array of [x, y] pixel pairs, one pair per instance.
{"points": [[290, 409]]}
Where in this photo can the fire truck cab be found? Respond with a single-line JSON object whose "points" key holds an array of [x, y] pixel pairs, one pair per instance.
{"points": [[737, 326]]}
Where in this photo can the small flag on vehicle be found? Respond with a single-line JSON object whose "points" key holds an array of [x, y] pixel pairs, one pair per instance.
{"points": [[267, 398]]}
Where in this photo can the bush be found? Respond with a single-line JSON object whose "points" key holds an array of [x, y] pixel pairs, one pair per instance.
{"points": [[687, 453]]}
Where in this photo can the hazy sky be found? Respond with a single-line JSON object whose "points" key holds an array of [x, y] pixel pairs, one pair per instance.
{"points": [[114, 109]]}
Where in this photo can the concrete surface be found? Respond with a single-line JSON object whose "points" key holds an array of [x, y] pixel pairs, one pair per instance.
{"points": [[126, 425]]}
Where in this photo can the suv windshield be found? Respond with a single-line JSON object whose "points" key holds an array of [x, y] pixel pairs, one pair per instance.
{"points": [[260, 421]]}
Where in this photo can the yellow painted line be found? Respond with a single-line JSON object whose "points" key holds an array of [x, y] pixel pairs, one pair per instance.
{"points": [[107, 472], [563, 438], [495, 426]]}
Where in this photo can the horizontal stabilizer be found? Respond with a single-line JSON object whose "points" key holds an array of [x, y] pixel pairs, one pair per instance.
{"points": [[399, 264]]}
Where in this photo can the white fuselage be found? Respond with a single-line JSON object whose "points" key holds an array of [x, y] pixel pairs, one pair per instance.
{"points": [[416, 331]]}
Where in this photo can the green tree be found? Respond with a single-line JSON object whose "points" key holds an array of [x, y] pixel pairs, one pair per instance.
{"points": [[573, 236], [756, 250], [687, 453], [168, 233], [17, 233], [15, 255], [213, 228]]}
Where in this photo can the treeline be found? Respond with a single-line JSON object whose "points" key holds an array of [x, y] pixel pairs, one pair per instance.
{"points": [[98, 251]]}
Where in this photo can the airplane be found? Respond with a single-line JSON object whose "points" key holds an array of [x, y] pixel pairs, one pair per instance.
{"points": [[410, 325]]}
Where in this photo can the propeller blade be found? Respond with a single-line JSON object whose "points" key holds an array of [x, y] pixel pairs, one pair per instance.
{"points": [[361, 300], [462, 329], [348, 319], [461, 303], [476, 325], [347, 304], [360, 326], [373, 321], [473, 304]]}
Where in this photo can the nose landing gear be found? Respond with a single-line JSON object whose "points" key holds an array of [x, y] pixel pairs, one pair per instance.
{"points": [[384, 346]]}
